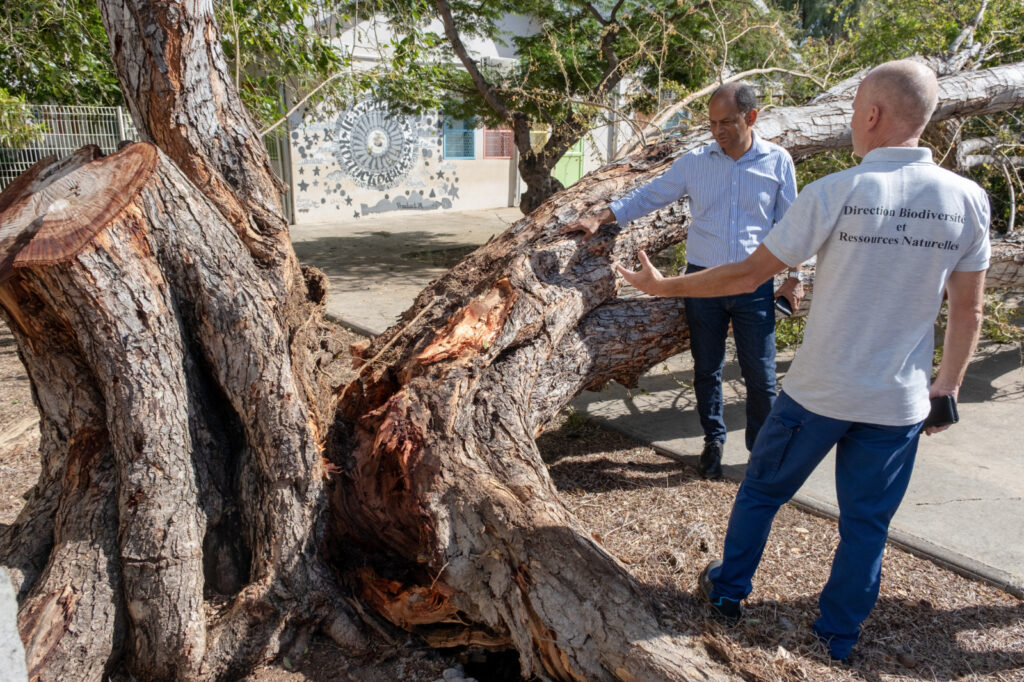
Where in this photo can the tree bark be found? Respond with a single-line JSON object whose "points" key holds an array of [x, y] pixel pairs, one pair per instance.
{"points": [[194, 416], [824, 124], [188, 395], [180, 93]]}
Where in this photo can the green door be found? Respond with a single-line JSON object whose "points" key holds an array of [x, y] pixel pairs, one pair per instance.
{"points": [[569, 168]]}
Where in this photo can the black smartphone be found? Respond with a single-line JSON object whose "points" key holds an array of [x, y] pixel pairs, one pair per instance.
{"points": [[783, 306], [943, 412]]}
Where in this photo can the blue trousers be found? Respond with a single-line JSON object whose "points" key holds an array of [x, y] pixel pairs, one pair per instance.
{"points": [[753, 327], [873, 466]]}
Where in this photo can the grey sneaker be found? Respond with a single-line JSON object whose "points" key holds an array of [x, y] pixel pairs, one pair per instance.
{"points": [[711, 460], [728, 609]]}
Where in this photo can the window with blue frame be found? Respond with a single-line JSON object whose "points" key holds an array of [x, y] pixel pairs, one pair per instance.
{"points": [[459, 139]]}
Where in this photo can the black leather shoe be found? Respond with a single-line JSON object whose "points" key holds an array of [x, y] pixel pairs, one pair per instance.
{"points": [[711, 460]]}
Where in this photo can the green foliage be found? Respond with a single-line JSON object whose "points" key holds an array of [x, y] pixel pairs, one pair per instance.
{"points": [[820, 18], [1002, 179], [671, 261], [879, 30], [570, 58], [678, 264], [789, 332], [1002, 323], [278, 44], [863, 33], [17, 127], [820, 165], [574, 419], [56, 52]]}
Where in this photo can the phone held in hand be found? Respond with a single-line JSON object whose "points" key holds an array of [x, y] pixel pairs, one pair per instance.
{"points": [[783, 306], [943, 412]]}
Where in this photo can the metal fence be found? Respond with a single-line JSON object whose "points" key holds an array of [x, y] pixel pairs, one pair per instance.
{"points": [[278, 148], [65, 129]]}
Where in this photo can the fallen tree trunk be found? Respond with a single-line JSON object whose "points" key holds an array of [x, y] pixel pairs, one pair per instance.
{"points": [[443, 464], [447, 406], [187, 392]]}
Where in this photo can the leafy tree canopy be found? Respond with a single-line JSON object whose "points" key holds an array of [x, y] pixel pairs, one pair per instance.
{"points": [[575, 53], [578, 63], [16, 125], [56, 51], [985, 32]]}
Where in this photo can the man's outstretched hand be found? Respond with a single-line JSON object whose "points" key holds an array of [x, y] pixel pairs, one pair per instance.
{"points": [[589, 225], [647, 279]]}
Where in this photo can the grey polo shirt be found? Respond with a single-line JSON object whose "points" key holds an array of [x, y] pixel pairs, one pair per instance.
{"points": [[887, 234]]}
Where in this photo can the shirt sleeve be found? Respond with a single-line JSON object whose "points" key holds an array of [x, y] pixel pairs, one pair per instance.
{"points": [[978, 253], [803, 229], [670, 186], [787, 187]]}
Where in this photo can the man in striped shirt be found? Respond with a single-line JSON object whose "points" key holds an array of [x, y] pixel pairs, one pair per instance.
{"points": [[738, 186]]}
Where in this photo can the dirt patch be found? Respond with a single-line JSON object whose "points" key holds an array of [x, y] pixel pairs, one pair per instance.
{"points": [[664, 524]]}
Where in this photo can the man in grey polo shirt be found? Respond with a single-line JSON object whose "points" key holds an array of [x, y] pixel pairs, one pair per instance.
{"points": [[891, 235]]}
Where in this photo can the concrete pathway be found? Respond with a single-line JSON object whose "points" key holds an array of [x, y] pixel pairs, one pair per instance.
{"points": [[378, 264], [965, 505], [12, 652]]}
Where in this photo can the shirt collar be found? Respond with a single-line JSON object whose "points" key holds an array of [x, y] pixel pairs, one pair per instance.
{"points": [[898, 154]]}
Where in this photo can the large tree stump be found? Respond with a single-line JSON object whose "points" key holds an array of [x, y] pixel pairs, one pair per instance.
{"points": [[175, 433]]}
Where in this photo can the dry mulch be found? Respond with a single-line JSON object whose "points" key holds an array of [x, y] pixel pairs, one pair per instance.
{"points": [[664, 523]]}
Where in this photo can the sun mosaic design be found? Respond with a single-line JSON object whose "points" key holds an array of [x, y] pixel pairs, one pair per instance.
{"points": [[376, 149]]}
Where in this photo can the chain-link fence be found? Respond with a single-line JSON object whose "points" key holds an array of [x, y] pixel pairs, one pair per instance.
{"points": [[66, 128]]}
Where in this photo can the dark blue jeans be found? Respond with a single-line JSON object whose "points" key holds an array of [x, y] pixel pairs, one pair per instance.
{"points": [[753, 327], [873, 466]]}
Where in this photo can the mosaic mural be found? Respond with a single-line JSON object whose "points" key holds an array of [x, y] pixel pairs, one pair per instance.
{"points": [[368, 160], [375, 149]]}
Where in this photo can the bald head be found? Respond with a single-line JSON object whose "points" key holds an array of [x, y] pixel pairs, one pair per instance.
{"points": [[907, 90]]}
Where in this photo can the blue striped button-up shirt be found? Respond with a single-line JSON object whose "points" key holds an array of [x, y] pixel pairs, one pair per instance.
{"points": [[733, 203]]}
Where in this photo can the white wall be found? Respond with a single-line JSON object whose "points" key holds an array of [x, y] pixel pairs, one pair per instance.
{"points": [[362, 162]]}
